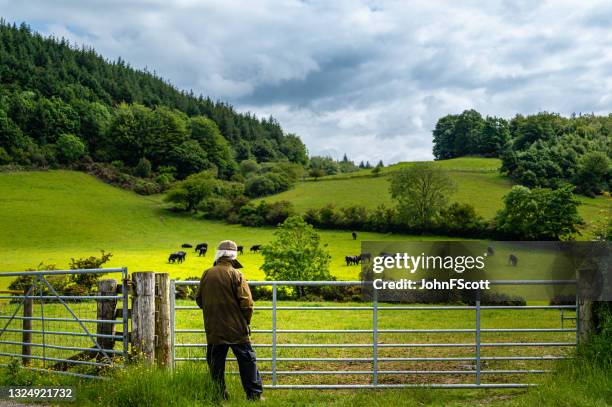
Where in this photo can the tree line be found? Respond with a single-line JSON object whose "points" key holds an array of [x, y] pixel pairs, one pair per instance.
{"points": [[59, 103], [540, 150]]}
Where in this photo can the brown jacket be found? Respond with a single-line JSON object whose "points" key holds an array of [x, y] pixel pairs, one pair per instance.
{"points": [[226, 300]]}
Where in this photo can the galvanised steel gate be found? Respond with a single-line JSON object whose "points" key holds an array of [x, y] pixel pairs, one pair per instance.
{"points": [[471, 362], [37, 322]]}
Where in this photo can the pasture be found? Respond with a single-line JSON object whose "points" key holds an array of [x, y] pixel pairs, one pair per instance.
{"points": [[477, 179], [54, 216]]}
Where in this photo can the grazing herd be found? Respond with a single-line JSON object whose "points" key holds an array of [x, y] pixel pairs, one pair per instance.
{"points": [[201, 249]]}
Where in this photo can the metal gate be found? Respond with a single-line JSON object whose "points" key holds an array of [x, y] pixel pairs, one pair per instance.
{"points": [[508, 355], [47, 311]]}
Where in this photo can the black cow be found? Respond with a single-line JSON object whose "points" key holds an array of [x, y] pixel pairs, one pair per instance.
{"points": [[200, 245], [354, 234], [255, 248], [202, 251], [365, 256], [351, 260], [177, 257], [239, 249], [186, 246], [513, 260], [490, 251]]}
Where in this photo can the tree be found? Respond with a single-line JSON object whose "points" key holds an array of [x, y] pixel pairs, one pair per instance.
{"points": [[143, 168], [594, 172], [215, 146], [421, 192], [193, 190], [69, 148], [444, 137], [296, 254], [539, 214]]}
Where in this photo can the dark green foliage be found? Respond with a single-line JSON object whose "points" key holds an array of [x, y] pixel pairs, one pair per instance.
{"points": [[69, 148], [539, 214], [455, 220], [49, 88], [143, 168], [540, 150]]}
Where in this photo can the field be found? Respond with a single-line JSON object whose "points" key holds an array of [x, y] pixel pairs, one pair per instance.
{"points": [[54, 216], [477, 179]]}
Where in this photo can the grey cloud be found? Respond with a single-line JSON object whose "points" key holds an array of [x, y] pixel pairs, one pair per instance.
{"points": [[366, 78]]}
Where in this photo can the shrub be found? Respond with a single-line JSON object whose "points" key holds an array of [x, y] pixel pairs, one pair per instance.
{"points": [[69, 148], [143, 168]]}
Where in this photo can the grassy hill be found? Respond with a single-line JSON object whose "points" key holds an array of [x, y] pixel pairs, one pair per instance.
{"points": [[478, 183], [56, 215]]}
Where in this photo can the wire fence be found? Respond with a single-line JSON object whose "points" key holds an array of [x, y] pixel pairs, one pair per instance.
{"points": [[384, 345]]}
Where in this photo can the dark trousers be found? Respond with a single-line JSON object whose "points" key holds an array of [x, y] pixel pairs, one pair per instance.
{"points": [[249, 375]]}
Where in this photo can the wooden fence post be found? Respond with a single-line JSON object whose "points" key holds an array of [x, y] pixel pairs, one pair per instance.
{"points": [[106, 311], [26, 350], [163, 344], [143, 315]]}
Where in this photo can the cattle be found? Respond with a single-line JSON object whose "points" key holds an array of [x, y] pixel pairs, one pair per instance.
{"points": [[255, 248], [513, 260], [240, 249], [200, 245], [365, 256], [352, 260], [177, 257], [490, 251], [202, 251], [186, 246], [354, 234]]}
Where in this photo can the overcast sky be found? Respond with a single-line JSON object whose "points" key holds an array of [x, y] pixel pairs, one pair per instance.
{"points": [[366, 78]]}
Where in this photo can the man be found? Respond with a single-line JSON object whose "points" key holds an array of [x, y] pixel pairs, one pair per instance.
{"points": [[226, 300]]}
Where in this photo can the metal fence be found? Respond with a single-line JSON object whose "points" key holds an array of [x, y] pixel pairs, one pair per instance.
{"points": [[46, 326], [402, 377]]}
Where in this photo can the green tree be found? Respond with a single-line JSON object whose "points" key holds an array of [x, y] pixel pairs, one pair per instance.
{"points": [[444, 137], [296, 253], [193, 190], [421, 192], [594, 172], [69, 148], [217, 148], [143, 169], [539, 214]]}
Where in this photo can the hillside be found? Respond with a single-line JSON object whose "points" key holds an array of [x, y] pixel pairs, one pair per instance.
{"points": [[49, 88], [478, 183], [53, 216]]}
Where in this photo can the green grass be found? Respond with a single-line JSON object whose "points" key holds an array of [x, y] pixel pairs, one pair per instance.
{"points": [[477, 179], [53, 216]]}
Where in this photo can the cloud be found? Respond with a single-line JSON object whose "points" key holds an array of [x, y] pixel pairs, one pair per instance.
{"points": [[368, 78]]}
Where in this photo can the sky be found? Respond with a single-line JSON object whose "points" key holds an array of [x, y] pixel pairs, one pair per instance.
{"points": [[365, 78]]}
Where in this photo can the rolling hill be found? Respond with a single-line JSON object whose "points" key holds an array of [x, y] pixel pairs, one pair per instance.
{"points": [[478, 183], [53, 216]]}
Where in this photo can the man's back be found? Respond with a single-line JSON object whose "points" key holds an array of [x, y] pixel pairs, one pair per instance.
{"points": [[227, 303]]}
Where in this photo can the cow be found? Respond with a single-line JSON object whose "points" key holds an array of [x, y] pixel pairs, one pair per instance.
{"points": [[255, 248], [186, 246], [490, 251], [354, 234], [239, 249], [173, 257], [202, 251], [365, 256], [513, 260], [200, 245], [177, 257], [351, 260]]}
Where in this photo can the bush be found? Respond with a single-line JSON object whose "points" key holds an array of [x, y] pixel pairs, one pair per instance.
{"points": [[143, 168], [259, 185], [69, 148], [461, 219]]}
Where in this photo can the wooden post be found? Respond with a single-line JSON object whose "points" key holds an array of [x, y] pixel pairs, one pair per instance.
{"points": [[106, 311], [143, 315], [585, 320], [26, 350], [163, 344]]}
